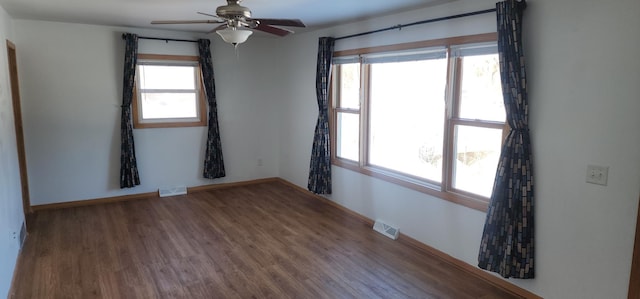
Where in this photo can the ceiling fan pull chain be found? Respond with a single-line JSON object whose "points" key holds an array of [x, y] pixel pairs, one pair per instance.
{"points": [[237, 52]]}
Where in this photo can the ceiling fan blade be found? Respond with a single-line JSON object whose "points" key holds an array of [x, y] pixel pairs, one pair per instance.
{"points": [[282, 22], [218, 28], [186, 22], [273, 30], [208, 15]]}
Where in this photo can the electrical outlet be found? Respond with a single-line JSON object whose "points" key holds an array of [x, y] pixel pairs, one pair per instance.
{"points": [[597, 174]]}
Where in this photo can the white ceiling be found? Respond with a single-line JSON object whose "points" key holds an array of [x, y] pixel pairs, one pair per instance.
{"points": [[139, 13]]}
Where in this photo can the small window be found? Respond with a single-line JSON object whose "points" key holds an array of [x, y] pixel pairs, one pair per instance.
{"points": [[168, 92], [478, 123], [348, 112]]}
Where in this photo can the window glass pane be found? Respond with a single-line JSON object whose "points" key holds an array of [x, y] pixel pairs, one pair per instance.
{"points": [[349, 86], [166, 77], [347, 141], [481, 90], [407, 117], [168, 105], [476, 152]]}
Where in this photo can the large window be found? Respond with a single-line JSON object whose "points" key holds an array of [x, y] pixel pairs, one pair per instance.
{"points": [[428, 115], [168, 92]]}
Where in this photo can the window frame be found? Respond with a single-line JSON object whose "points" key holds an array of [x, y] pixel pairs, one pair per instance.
{"points": [[201, 120], [444, 189]]}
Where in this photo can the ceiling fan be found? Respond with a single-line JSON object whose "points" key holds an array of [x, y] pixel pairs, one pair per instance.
{"points": [[235, 18]]}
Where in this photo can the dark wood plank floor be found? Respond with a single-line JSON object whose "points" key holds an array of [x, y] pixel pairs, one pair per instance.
{"points": [[259, 241]]}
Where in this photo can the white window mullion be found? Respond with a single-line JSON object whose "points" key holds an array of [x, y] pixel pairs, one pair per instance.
{"points": [[365, 82]]}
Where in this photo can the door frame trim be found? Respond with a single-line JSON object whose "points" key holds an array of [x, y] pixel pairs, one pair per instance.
{"points": [[17, 118]]}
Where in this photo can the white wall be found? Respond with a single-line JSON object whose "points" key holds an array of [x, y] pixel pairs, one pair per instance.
{"points": [[11, 215], [584, 106], [583, 78], [71, 76]]}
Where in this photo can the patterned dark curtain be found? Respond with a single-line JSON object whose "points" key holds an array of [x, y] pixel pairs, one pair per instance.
{"points": [[507, 245], [213, 162], [128, 166], [320, 169]]}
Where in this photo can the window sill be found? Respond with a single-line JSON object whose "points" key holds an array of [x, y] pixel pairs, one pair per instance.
{"points": [[424, 187]]}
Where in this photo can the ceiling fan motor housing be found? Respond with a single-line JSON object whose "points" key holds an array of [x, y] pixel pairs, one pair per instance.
{"points": [[233, 10]]}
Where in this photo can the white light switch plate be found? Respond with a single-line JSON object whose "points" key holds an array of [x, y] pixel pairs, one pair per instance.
{"points": [[597, 174]]}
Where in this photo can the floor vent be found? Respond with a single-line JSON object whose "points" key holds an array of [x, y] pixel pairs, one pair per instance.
{"points": [[172, 191], [385, 229]]}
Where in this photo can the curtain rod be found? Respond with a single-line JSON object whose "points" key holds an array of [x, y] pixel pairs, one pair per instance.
{"points": [[400, 26], [166, 39]]}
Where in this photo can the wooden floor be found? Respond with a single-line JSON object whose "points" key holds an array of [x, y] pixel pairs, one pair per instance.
{"points": [[259, 241]]}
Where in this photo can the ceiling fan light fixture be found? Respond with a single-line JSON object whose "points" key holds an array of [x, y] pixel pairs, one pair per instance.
{"points": [[234, 36]]}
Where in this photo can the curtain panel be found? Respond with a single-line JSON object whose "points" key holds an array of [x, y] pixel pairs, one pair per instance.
{"points": [[320, 168], [213, 161], [128, 166], [507, 245]]}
